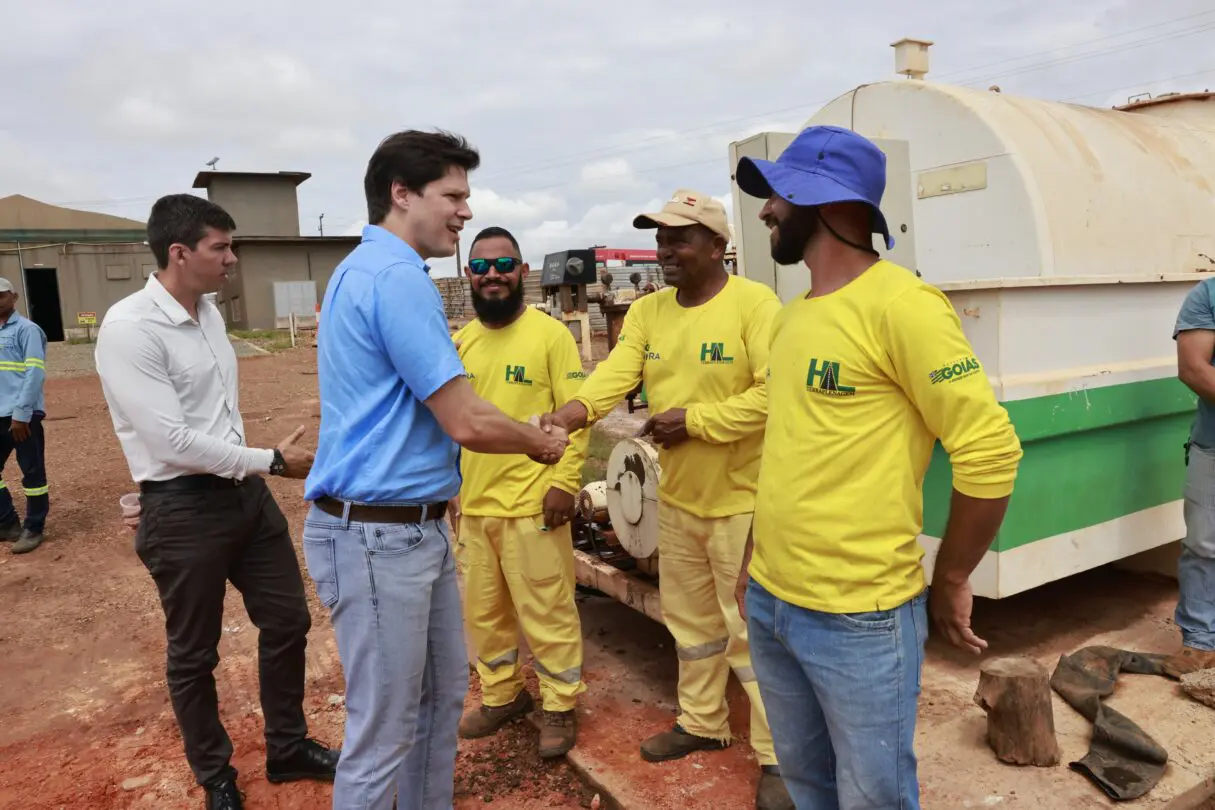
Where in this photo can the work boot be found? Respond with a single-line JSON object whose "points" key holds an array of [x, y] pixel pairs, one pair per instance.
{"points": [[676, 744], [772, 793], [28, 542], [486, 720], [1183, 663], [558, 733], [10, 531]]}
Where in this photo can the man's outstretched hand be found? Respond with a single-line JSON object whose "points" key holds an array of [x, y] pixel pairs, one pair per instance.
{"points": [[551, 442], [569, 417]]}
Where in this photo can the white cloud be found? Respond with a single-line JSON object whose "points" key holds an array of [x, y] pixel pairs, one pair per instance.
{"points": [[613, 176], [309, 140], [492, 208], [142, 116]]}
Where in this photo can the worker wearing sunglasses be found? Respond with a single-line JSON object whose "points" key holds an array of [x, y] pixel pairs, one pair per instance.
{"points": [[513, 537]]}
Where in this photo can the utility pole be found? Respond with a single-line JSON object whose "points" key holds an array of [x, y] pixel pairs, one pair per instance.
{"points": [[320, 224]]}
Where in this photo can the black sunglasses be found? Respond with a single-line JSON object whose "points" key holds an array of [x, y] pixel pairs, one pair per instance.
{"points": [[503, 264]]}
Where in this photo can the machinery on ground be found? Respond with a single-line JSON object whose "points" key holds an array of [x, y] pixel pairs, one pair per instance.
{"points": [[567, 275], [615, 528]]}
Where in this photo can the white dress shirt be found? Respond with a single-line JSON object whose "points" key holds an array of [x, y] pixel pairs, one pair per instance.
{"points": [[170, 383]]}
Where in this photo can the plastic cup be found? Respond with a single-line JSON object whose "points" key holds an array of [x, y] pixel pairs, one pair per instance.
{"points": [[129, 504]]}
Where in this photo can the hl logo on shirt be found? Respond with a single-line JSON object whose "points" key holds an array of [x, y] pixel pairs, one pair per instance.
{"points": [[517, 375], [956, 371], [825, 379], [470, 375], [714, 354], [576, 375], [649, 355]]}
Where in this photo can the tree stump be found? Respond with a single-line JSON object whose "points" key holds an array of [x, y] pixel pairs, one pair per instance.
{"points": [[1015, 693]]}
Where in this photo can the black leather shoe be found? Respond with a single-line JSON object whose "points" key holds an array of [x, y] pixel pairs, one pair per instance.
{"points": [[224, 796], [310, 761]]}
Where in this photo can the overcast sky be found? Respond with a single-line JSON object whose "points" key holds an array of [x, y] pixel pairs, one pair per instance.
{"points": [[585, 114]]}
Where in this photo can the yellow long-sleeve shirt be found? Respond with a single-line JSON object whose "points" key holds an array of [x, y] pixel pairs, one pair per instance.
{"points": [[862, 383], [528, 368], [711, 360]]}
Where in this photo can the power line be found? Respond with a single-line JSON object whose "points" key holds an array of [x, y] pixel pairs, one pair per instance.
{"points": [[1105, 38], [1141, 84], [1129, 46]]}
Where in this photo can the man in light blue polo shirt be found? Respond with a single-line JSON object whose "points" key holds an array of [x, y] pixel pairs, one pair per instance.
{"points": [[395, 407]]}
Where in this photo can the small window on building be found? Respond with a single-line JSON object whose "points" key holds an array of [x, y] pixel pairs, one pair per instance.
{"points": [[148, 270], [117, 272]]}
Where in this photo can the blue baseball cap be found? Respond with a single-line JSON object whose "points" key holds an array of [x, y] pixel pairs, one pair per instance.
{"points": [[822, 165]]}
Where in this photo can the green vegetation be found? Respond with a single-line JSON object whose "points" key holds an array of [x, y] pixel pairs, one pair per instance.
{"points": [[272, 340]]}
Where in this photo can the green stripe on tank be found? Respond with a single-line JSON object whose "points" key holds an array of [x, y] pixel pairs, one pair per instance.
{"points": [[1090, 456]]}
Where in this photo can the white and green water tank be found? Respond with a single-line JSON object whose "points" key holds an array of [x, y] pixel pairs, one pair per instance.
{"points": [[1066, 237]]}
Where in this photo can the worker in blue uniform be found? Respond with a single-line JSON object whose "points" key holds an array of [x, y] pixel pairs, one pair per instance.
{"points": [[22, 408]]}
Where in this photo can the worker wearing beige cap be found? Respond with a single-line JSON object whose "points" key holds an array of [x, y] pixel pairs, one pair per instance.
{"points": [[701, 349]]}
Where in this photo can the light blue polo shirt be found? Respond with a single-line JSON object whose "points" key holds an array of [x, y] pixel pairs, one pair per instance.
{"points": [[1198, 312], [383, 348]]}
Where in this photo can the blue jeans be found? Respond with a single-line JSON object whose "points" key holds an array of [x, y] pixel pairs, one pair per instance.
{"points": [[1196, 569], [841, 693], [391, 591]]}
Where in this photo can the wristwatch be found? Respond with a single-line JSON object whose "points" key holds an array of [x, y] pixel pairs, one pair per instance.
{"points": [[279, 465]]}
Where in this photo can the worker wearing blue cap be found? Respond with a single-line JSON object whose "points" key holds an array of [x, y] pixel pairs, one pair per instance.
{"points": [[866, 372]]}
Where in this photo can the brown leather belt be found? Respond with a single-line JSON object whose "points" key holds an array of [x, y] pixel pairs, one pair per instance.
{"points": [[382, 514]]}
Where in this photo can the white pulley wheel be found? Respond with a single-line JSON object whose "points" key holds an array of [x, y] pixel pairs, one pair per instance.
{"points": [[632, 496]]}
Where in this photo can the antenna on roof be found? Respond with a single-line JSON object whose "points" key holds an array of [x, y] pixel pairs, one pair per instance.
{"points": [[211, 163]]}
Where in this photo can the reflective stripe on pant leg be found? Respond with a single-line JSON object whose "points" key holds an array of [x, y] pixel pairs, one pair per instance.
{"points": [[693, 616], [539, 571], [727, 541], [489, 614]]}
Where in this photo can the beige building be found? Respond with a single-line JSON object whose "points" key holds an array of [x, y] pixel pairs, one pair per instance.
{"points": [[70, 266], [279, 270], [67, 265]]}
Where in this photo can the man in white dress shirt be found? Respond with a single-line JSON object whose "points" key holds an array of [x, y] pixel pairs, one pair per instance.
{"points": [[169, 377]]}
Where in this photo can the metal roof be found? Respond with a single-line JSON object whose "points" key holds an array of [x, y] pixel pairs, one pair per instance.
{"points": [[204, 179]]}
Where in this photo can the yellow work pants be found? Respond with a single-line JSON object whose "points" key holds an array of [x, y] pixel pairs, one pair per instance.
{"points": [[698, 564], [518, 578]]}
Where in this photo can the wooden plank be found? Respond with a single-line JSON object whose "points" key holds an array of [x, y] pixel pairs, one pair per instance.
{"points": [[620, 585]]}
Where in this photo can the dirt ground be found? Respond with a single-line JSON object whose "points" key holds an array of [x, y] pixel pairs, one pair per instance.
{"points": [[86, 717]]}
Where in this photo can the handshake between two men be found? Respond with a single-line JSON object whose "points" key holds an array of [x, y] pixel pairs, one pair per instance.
{"points": [[666, 429], [558, 426]]}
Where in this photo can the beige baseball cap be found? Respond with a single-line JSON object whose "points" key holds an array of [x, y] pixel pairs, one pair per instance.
{"points": [[688, 207]]}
